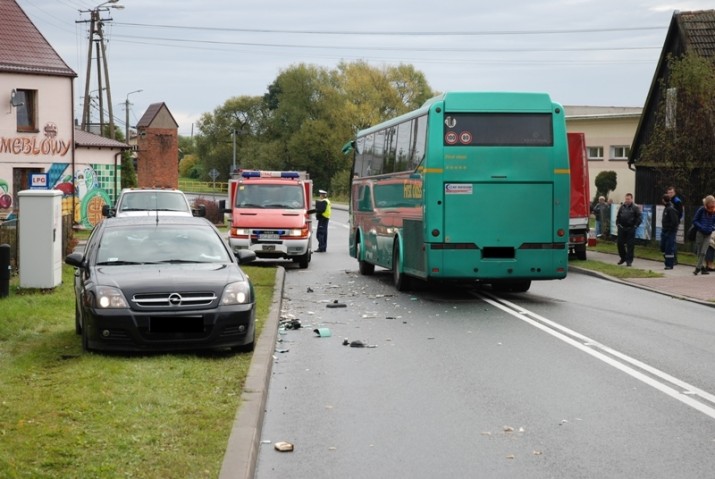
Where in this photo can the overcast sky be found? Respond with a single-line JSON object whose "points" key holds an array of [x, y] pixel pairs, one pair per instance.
{"points": [[194, 55]]}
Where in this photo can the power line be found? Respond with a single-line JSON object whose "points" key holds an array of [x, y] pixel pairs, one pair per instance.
{"points": [[369, 48], [393, 33]]}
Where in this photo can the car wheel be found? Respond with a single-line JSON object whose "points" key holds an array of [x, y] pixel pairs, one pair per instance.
{"points": [[85, 340], [304, 260], [77, 323], [366, 269], [246, 348]]}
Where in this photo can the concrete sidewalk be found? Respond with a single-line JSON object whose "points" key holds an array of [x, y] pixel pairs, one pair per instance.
{"points": [[679, 282]]}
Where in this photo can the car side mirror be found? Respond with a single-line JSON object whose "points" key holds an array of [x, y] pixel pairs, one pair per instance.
{"points": [[245, 256], [107, 211], [75, 259], [200, 211]]}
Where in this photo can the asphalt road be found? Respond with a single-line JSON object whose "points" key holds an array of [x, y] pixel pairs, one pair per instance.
{"points": [[576, 378]]}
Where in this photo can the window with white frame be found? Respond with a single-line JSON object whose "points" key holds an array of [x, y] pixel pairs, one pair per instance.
{"points": [[594, 152], [620, 152]]}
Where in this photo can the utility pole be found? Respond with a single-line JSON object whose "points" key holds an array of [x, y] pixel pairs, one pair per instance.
{"points": [[126, 118], [96, 39]]}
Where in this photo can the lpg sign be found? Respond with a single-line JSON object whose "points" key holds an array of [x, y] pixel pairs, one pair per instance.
{"points": [[38, 181]]}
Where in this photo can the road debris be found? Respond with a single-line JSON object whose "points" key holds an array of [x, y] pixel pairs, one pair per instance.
{"points": [[323, 332], [336, 304], [283, 446]]}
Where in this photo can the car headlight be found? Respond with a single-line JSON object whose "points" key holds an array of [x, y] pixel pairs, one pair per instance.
{"points": [[108, 297], [236, 293]]}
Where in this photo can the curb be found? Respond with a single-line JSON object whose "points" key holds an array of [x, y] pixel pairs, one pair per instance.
{"points": [[239, 460], [600, 275]]}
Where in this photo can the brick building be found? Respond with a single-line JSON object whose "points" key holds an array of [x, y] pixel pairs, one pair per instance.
{"points": [[157, 148]]}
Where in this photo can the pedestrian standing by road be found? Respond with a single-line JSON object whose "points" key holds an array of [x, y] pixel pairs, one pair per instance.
{"points": [[322, 213], [669, 228], [677, 201], [704, 222], [599, 211], [628, 218]]}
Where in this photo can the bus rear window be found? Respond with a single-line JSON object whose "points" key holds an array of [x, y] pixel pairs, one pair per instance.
{"points": [[498, 129]]}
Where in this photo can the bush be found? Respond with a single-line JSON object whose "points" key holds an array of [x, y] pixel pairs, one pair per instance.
{"points": [[213, 213]]}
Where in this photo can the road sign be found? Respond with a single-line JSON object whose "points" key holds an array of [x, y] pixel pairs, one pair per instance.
{"points": [[213, 173]]}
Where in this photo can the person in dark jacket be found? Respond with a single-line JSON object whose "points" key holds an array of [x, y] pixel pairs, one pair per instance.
{"points": [[669, 228], [628, 218], [704, 222], [677, 201], [601, 211]]}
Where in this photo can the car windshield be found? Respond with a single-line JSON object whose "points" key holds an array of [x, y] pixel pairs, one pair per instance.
{"points": [[270, 196], [152, 200], [161, 243]]}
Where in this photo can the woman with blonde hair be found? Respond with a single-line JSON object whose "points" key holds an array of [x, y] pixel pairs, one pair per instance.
{"points": [[704, 222]]}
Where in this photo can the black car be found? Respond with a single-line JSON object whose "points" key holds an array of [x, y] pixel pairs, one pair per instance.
{"points": [[160, 284]]}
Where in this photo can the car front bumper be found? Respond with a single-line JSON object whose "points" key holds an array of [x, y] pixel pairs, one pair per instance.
{"points": [[128, 330]]}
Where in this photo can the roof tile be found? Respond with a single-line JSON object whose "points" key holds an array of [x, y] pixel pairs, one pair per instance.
{"points": [[23, 49]]}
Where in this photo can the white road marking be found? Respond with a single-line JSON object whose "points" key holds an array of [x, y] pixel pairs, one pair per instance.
{"points": [[606, 354]]}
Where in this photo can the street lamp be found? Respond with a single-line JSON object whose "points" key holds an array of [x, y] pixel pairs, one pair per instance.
{"points": [[126, 111], [233, 169]]}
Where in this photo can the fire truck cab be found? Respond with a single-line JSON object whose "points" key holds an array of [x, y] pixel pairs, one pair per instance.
{"points": [[271, 215]]}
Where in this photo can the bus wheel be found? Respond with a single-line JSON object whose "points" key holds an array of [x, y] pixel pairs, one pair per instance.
{"points": [[399, 279], [521, 286], [366, 269]]}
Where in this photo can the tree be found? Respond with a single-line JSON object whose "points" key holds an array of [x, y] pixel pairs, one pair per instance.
{"points": [[305, 118], [682, 143], [239, 116], [606, 181]]}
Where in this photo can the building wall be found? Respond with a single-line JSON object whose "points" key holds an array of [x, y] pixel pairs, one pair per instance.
{"points": [[607, 132], [47, 150], [95, 181], [158, 157]]}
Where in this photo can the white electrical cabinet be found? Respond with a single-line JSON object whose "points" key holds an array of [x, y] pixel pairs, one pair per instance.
{"points": [[40, 238]]}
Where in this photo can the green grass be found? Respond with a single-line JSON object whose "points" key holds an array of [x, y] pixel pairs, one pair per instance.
{"points": [[647, 251], [65, 413]]}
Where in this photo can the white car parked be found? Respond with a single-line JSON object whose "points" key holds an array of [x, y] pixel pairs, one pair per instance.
{"points": [[154, 201]]}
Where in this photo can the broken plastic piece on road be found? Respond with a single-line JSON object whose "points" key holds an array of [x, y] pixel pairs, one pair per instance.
{"points": [[283, 446], [323, 332], [335, 304], [292, 324], [357, 344]]}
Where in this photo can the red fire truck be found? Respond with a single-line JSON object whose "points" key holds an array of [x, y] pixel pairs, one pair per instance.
{"points": [[270, 214]]}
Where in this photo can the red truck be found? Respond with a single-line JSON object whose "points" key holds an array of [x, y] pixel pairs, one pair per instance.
{"points": [[580, 211], [271, 214]]}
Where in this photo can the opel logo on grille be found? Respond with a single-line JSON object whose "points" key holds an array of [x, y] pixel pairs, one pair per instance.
{"points": [[175, 299]]}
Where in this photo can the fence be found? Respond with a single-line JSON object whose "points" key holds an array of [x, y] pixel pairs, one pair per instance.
{"points": [[193, 186], [10, 235]]}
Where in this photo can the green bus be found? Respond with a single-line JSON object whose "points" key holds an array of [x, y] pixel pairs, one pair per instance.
{"points": [[470, 187]]}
